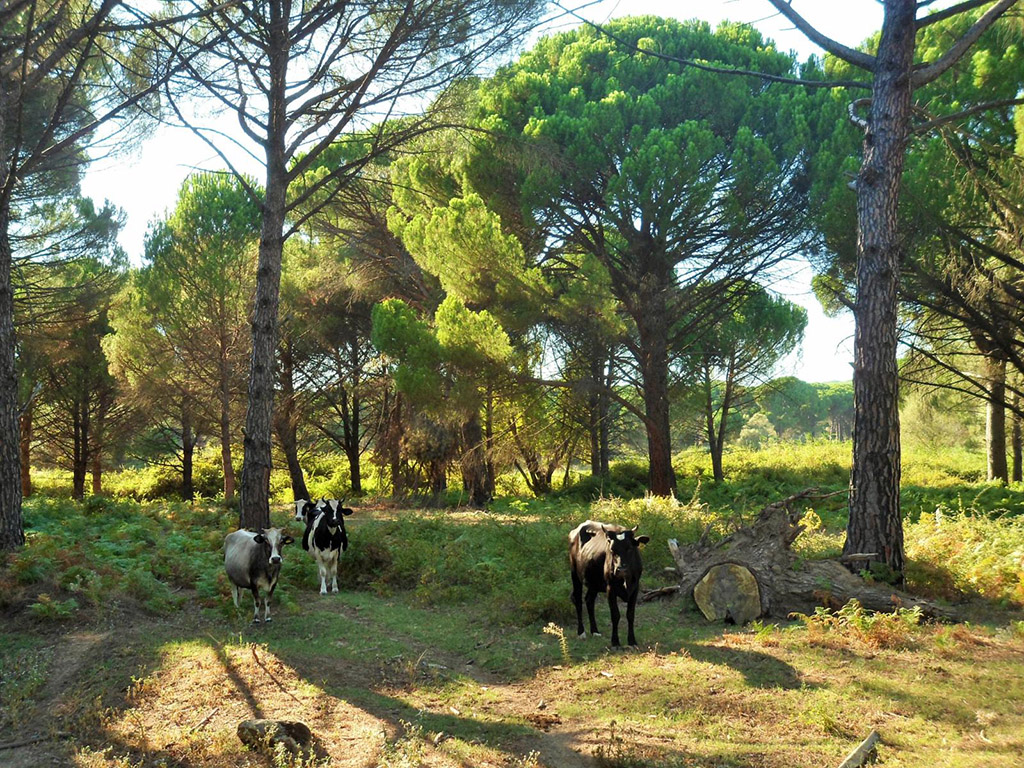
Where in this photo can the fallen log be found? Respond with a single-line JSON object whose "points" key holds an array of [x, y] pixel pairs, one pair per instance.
{"points": [[754, 573]]}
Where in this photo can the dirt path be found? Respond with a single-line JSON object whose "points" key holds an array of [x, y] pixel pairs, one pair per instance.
{"points": [[69, 657]]}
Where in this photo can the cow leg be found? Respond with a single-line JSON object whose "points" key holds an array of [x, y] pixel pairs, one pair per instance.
{"points": [[613, 608], [266, 602], [591, 597], [234, 593], [334, 570], [322, 569], [630, 612], [577, 600], [255, 605]]}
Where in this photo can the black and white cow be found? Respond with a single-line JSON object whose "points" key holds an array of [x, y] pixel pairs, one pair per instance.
{"points": [[253, 562], [325, 539], [607, 559]]}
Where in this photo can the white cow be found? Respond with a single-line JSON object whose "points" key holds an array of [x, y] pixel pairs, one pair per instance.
{"points": [[253, 561]]}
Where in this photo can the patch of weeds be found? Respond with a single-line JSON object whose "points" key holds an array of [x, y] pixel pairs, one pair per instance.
{"points": [[616, 752], [821, 715], [563, 645], [406, 750], [23, 674], [104, 758], [765, 634], [48, 609], [154, 594], [853, 622]]}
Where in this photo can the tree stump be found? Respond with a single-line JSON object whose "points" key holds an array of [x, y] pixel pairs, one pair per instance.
{"points": [[728, 592], [719, 575]]}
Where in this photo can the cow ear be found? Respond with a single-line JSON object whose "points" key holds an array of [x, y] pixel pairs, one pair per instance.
{"points": [[259, 538], [346, 511], [287, 540], [642, 539]]}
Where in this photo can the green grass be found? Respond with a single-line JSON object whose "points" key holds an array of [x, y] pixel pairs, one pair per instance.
{"points": [[454, 625]]}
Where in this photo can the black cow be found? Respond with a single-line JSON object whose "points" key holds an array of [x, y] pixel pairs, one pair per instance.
{"points": [[607, 559], [253, 562], [325, 539]]}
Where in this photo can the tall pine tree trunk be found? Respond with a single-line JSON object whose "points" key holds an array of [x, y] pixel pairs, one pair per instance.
{"points": [[286, 421], [652, 318], [995, 418], [875, 525], [226, 461], [255, 488], [12, 534], [474, 462], [26, 448], [188, 447], [1017, 441], [80, 449]]}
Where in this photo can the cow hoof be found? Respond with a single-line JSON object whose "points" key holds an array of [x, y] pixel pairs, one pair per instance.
{"points": [[255, 621], [582, 635], [267, 620]]}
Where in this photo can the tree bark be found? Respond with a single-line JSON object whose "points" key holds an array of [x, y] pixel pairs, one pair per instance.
{"points": [[474, 462], [80, 448], [12, 534], [224, 390], [188, 446], [651, 318], [1016, 441], [26, 448], [393, 441], [257, 463], [286, 422], [875, 525], [995, 418]]}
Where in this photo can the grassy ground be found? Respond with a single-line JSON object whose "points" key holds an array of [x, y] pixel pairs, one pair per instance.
{"points": [[451, 642]]}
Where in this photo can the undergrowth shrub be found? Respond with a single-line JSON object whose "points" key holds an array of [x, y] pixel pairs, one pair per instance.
{"points": [[853, 623], [951, 553]]}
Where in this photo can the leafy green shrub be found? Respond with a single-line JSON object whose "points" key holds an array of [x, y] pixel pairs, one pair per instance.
{"points": [[625, 480], [49, 609]]}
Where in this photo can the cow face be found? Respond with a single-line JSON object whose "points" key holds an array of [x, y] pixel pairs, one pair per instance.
{"points": [[624, 553], [335, 513], [272, 540], [303, 508]]}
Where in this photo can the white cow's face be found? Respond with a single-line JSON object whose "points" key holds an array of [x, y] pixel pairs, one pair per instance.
{"points": [[302, 508], [273, 539]]}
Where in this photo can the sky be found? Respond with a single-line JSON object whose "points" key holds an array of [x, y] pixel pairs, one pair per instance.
{"points": [[144, 181]]}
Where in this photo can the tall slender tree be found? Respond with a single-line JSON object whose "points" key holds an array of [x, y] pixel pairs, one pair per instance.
{"points": [[896, 69], [300, 77], [66, 69]]}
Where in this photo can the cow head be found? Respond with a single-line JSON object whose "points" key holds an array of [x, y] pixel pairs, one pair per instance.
{"points": [[623, 559], [272, 540], [303, 509], [336, 517]]}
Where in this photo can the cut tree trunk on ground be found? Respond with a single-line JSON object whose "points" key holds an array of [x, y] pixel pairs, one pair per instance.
{"points": [[753, 573]]}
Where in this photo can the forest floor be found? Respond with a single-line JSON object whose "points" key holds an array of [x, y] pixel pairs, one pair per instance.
{"points": [[384, 678]]}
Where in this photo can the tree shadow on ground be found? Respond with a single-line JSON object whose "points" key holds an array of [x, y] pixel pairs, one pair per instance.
{"points": [[759, 670]]}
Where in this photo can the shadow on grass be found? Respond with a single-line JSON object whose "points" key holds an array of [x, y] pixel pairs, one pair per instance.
{"points": [[759, 670]]}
